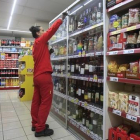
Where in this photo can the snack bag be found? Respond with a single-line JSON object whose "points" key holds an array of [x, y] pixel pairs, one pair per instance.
{"points": [[113, 23], [123, 67], [124, 129], [125, 21], [134, 16], [113, 67], [113, 99], [134, 67], [99, 45]]}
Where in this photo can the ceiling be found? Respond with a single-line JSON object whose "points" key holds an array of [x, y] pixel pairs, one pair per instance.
{"points": [[30, 12]]}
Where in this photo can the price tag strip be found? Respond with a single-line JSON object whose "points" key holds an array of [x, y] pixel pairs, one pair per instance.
{"points": [[113, 53], [132, 118], [128, 51], [117, 112], [114, 79]]}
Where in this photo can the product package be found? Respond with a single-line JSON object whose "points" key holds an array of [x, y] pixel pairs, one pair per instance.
{"points": [[116, 42], [114, 99], [123, 101], [134, 67], [118, 1], [124, 129], [99, 45], [112, 134], [138, 41], [113, 67], [134, 104], [135, 136], [125, 21], [113, 23], [134, 16], [122, 137], [131, 42]]}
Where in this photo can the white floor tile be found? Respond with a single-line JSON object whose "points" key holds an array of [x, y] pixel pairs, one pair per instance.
{"points": [[32, 137], [1, 136], [26, 122], [23, 108], [15, 133], [27, 130], [10, 119], [60, 133], [12, 125], [23, 112], [0, 127], [54, 124], [8, 114], [7, 109], [24, 117], [21, 138], [50, 119], [68, 138]]}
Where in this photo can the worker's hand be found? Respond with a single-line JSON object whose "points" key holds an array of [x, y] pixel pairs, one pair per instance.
{"points": [[51, 51], [64, 16]]}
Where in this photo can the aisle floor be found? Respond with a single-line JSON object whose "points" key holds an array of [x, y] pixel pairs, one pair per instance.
{"points": [[15, 120]]}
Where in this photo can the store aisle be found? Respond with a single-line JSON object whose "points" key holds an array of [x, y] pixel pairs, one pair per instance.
{"points": [[15, 120]]}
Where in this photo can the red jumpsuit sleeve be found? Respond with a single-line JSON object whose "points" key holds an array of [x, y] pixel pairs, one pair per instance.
{"points": [[51, 31]]}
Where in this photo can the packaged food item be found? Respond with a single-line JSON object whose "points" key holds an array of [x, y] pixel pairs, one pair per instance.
{"points": [[112, 134], [124, 129], [119, 22], [131, 41], [113, 23], [113, 67], [134, 67], [91, 44], [113, 99], [125, 21], [134, 104], [134, 16], [123, 67], [99, 45], [110, 3], [135, 136], [121, 136], [138, 41], [123, 101]]}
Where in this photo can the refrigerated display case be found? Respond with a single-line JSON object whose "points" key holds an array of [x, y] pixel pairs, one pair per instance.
{"points": [[102, 69]]}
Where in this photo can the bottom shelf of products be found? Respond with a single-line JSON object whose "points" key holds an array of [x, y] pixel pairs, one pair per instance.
{"points": [[80, 120]]}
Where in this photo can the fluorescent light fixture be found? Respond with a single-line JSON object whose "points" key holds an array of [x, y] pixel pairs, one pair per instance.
{"points": [[88, 2], [15, 31], [10, 19], [65, 11], [76, 10]]}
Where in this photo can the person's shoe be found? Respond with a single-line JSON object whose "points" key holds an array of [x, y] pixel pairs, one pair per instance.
{"points": [[47, 126], [45, 132]]}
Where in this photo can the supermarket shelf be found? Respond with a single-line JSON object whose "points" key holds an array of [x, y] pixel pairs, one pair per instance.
{"points": [[78, 127], [8, 59], [59, 75], [86, 55], [86, 29], [123, 80], [15, 47], [130, 51], [9, 77], [8, 87], [86, 79], [86, 105], [125, 30], [124, 115], [119, 5], [62, 39], [9, 68], [58, 58], [10, 52], [60, 94], [56, 112]]}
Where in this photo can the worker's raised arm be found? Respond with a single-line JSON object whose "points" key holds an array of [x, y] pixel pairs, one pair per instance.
{"points": [[51, 31]]}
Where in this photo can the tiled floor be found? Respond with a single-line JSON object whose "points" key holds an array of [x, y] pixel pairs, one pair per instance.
{"points": [[15, 120]]}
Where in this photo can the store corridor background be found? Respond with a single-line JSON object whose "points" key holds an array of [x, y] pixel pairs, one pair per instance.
{"points": [[15, 120]]}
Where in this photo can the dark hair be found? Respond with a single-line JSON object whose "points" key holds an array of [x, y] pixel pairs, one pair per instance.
{"points": [[34, 30]]}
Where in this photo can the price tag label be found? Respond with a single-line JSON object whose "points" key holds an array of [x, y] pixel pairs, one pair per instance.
{"points": [[92, 136], [76, 101], [115, 32], [92, 109], [88, 132], [117, 112], [113, 53], [114, 79], [128, 51], [131, 28], [91, 79], [98, 53], [85, 104], [132, 118], [72, 100], [99, 80]]}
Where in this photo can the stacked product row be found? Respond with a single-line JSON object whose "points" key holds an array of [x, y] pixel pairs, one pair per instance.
{"points": [[9, 82]]}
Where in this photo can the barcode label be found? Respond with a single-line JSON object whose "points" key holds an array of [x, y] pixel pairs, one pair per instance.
{"points": [[132, 118], [117, 112]]}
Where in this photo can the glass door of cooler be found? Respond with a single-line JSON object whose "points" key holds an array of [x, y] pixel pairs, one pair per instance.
{"points": [[85, 70], [58, 60]]}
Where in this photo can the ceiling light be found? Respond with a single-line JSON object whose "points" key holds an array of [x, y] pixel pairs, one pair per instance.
{"points": [[10, 19], [15, 31], [76, 10], [88, 2]]}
